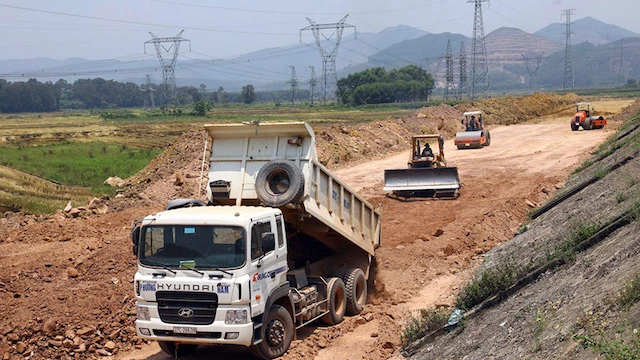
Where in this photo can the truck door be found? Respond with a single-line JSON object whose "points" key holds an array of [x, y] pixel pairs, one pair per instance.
{"points": [[268, 268]]}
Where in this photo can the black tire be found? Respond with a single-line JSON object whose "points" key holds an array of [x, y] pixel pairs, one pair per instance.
{"points": [[488, 142], [336, 293], [586, 124], [183, 349], [460, 147], [277, 333], [356, 286], [574, 127], [279, 182]]}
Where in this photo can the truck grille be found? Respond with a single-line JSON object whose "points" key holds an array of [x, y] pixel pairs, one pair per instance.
{"points": [[184, 307]]}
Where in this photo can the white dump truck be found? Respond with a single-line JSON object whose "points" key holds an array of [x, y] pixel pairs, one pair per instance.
{"points": [[279, 243]]}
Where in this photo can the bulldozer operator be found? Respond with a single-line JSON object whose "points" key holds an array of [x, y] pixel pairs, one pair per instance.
{"points": [[473, 124]]}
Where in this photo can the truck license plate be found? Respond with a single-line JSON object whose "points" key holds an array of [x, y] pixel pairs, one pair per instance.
{"points": [[184, 330]]}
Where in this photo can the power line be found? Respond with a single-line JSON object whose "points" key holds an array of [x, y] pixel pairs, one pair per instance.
{"points": [[533, 73]]}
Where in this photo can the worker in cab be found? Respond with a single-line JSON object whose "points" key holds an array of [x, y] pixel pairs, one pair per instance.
{"points": [[473, 123], [427, 152]]}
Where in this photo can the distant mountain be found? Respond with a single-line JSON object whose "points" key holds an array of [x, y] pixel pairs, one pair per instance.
{"points": [[506, 45], [266, 69], [586, 29]]}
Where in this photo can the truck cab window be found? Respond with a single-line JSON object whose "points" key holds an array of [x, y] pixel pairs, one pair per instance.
{"points": [[257, 230], [279, 233]]}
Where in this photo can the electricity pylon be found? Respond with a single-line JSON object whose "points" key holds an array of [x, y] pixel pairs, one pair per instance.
{"points": [[569, 76], [293, 81], [448, 78], [479, 66], [329, 73], [167, 56]]}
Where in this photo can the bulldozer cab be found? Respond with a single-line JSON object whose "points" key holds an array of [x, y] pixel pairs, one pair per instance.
{"points": [[472, 121], [428, 151]]}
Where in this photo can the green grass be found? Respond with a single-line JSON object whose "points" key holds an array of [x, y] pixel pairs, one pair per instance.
{"points": [[488, 283], [78, 164], [423, 322]]}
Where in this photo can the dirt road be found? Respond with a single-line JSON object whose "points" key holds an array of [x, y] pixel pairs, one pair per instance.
{"points": [[430, 246]]}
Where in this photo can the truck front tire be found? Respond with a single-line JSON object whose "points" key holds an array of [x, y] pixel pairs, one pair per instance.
{"points": [[182, 349], [277, 333], [279, 182], [336, 293]]}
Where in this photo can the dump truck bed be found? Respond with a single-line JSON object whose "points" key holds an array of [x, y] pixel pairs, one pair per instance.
{"points": [[330, 211]]}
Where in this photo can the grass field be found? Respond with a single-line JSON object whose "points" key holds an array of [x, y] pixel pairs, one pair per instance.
{"points": [[84, 148]]}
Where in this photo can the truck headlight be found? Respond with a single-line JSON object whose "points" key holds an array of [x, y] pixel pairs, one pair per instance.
{"points": [[143, 313], [236, 317]]}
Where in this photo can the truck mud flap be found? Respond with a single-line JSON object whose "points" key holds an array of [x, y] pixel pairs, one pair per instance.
{"points": [[423, 182]]}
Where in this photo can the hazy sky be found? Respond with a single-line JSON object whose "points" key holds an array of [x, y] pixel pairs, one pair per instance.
{"points": [[101, 29]]}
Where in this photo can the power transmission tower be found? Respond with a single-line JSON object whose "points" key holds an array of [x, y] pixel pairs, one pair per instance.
{"points": [[167, 56], [479, 66], [293, 81], [149, 90], [462, 84], [329, 73], [313, 84], [533, 73], [448, 78], [569, 77]]}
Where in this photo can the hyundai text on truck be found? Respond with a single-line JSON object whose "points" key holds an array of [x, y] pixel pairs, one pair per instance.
{"points": [[279, 243]]}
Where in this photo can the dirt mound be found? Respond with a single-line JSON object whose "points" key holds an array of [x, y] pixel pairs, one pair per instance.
{"points": [[514, 110]]}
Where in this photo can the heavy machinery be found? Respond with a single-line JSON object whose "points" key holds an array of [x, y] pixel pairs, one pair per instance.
{"points": [[475, 135], [584, 118], [427, 174], [280, 244]]}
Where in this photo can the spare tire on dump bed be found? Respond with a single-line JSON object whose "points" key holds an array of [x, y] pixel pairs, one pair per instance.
{"points": [[279, 182]]}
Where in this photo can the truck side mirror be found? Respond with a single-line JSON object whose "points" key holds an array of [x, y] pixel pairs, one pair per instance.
{"points": [[268, 242], [135, 238]]}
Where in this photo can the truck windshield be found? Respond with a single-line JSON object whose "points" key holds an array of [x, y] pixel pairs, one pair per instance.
{"points": [[200, 246]]}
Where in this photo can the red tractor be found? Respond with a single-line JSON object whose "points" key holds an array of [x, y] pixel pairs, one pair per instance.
{"points": [[583, 118]]}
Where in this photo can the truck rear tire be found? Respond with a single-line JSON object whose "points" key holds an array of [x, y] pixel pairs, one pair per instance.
{"points": [[356, 286], [277, 333], [337, 301], [586, 124], [182, 349], [279, 182], [574, 127]]}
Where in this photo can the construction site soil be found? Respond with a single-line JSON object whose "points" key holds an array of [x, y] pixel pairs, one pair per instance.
{"points": [[66, 280]]}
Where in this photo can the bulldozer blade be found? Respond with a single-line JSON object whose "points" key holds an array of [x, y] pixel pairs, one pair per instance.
{"points": [[422, 181]]}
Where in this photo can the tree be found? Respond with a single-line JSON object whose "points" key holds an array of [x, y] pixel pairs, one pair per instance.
{"points": [[248, 94], [200, 108]]}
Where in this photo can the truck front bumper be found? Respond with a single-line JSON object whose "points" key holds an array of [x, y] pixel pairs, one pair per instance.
{"points": [[216, 333]]}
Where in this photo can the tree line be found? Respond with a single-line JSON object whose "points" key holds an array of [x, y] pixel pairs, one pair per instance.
{"points": [[376, 86]]}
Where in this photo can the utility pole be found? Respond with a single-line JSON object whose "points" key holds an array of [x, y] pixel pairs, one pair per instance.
{"points": [[479, 67], [462, 84], [293, 81], [569, 76], [149, 90], [448, 78], [313, 83], [328, 54], [167, 55], [533, 73]]}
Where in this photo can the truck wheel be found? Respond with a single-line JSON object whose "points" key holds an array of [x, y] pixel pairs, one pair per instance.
{"points": [[574, 127], [356, 286], [586, 124], [279, 182], [182, 349], [337, 301], [277, 333], [488, 142]]}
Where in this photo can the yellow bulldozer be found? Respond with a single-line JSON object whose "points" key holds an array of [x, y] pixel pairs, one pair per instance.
{"points": [[427, 174]]}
